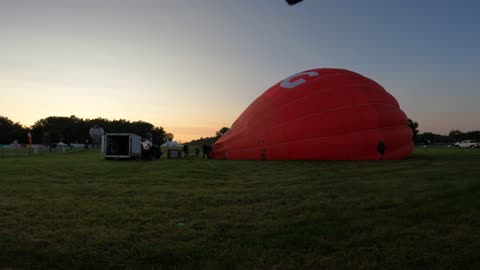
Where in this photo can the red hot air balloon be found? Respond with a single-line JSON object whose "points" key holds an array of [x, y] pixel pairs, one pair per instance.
{"points": [[320, 114]]}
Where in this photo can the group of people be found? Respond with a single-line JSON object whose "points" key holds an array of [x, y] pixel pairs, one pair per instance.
{"points": [[150, 151], [206, 149]]}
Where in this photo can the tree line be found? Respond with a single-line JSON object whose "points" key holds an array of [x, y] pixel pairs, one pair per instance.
{"points": [[76, 130], [210, 140], [72, 129], [452, 137]]}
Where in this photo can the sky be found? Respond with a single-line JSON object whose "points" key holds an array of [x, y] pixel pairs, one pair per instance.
{"points": [[193, 66]]}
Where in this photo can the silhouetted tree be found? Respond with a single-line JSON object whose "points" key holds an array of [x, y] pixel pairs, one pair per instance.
{"points": [[414, 126], [73, 129], [10, 131], [168, 136], [456, 135], [66, 129], [474, 135], [210, 140], [221, 132], [430, 137]]}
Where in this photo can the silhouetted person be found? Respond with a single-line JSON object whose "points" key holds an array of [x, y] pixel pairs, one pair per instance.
{"points": [[147, 154], [204, 150], [53, 146], [381, 147], [197, 151], [157, 151], [186, 150], [209, 149]]}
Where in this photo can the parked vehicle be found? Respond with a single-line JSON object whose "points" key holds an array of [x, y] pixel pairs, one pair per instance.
{"points": [[128, 146], [121, 145], [467, 144]]}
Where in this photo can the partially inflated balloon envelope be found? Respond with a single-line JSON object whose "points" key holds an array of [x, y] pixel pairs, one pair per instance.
{"points": [[320, 114]]}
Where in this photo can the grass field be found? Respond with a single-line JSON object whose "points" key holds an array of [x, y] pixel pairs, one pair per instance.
{"points": [[77, 211]]}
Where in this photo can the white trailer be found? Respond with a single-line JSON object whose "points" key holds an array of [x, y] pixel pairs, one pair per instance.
{"points": [[121, 145]]}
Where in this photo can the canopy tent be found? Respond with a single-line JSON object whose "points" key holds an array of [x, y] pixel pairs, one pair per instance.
{"points": [[172, 144], [61, 144]]}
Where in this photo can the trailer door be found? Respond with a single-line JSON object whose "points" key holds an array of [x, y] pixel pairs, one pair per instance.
{"points": [[136, 146], [103, 145]]}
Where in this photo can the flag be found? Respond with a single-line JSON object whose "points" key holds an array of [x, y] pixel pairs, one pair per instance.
{"points": [[29, 138]]}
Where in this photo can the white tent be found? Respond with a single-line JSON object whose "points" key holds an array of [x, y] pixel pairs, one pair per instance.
{"points": [[172, 144], [61, 144]]}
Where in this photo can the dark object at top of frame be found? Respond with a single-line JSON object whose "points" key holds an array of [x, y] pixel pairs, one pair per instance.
{"points": [[293, 2]]}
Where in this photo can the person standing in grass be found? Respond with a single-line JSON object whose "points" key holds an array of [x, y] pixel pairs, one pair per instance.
{"points": [[209, 150], [197, 151], [381, 147], [186, 150], [204, 149]]}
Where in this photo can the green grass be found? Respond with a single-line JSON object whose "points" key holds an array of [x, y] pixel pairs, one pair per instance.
{"points": [[77, 211]]}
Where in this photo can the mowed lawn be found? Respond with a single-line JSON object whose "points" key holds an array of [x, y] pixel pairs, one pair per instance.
{"points": [[78, 211]]}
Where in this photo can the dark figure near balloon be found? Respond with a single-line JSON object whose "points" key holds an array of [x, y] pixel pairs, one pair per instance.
{"points": [[148, 153], [381, 147], [293, 2]]}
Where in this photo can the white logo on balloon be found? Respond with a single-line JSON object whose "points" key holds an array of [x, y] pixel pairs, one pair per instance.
{"points": [[288, 83]]}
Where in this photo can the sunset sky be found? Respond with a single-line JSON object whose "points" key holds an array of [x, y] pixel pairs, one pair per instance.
{"points": [[193, 66]]}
